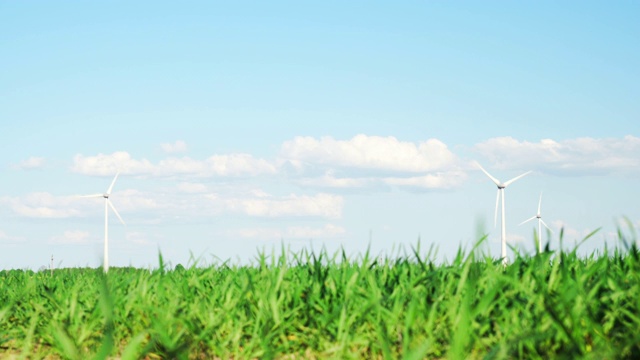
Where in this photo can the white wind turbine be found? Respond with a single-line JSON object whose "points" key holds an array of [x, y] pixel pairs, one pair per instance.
{"points": [[540, 221], [501, 186], [107, 205]]}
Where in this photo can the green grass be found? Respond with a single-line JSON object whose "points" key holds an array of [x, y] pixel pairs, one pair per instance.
{"points": [[307, 305]]}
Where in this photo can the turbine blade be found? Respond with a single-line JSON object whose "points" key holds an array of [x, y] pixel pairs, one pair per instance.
{"points": [[90, 196], [113, 183], [526, 221], [495, 215], [496, 181], [516, 178], [539, 203], [545, 225], [115, 212]]}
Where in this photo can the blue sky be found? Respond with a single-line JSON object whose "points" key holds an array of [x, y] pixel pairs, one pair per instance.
{"points": [[243, 126]]}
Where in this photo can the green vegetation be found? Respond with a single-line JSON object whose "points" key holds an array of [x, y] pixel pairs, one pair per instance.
{"points": [[306, 305]]}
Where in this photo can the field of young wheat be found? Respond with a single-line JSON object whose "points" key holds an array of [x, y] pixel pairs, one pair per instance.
{"points": [[318, 305]]}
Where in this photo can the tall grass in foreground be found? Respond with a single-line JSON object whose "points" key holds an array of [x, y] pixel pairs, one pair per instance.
{"points": [[308, 305]]}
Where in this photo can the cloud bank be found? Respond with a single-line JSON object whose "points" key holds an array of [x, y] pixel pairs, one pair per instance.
{"points": [[291, 232], [177, 147], [320, 205], [369, 152], [72, 237], [372, 161], [42, 205], [320, 167], [581, 156], [31, 163], [256, 203], [233, 165]]}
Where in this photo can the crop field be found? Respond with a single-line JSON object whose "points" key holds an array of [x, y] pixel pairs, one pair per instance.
{"points": [[318, 305]]}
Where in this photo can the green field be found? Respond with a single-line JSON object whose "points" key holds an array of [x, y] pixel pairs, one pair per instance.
{"points": [[317, 306]]}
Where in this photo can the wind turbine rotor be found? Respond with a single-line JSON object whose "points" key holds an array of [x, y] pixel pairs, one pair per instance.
{"points": [[115, 212], [496, 181], [113, 183], [516, 178], [529, 219], [91, 196], [539, 203], [545, 225]]}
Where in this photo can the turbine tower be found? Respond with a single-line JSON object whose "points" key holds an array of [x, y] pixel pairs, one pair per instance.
{"points": [[107, 205], [540, 221], [501, 186]]}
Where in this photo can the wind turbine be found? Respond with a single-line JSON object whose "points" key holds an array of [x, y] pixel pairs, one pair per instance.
{"points": [[540, 221], [107, 205], [501, 186]]}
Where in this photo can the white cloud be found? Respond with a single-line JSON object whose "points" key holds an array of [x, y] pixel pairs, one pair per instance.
{"points": [[329, 230], [321, 205], [292, 232], [72, 237], [516, 239], [239, 165], [370, 152], [138, 238], [177, 147], [42, 205], [191, 188], [570, 233], [512, 239], [259, 233], [433, 181], [372, 161], [134, 200], [258, 203], [216, 165], [259, 193], [33, 162], [108, 165], [7, 239], [46, 205], [363, 161], [567, 157], [184, 165], [445, 180], [178, 206], [328, 180], [212, 196]]}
